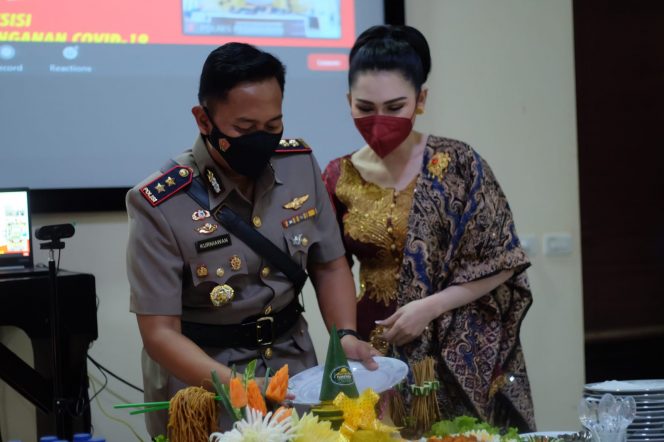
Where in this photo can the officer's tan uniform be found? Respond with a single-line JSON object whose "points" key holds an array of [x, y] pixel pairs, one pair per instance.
{"points": [[177, 255]]}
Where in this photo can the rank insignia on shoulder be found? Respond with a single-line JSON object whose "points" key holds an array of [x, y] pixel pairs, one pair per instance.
{"points": [[167, 184], [292, 145]]}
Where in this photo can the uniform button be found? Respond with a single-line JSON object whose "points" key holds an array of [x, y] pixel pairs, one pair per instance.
{"points": [[265, 272], [257, 221], [397, 276], [393, 247], [397, 260], [392, 206], [396, 193], [305, 241], [267, 310], [390, 230], [267, 353], [220, 272]]}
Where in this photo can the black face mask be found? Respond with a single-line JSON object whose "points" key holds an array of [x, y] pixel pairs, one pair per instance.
{"points": [[249, 154]]}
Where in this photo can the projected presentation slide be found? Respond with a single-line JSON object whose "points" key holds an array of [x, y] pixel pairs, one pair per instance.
{"points": [[263, 18], [14, 228], [327, 23], [98, 94]]}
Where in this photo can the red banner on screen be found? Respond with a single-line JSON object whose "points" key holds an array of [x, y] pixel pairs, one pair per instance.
{"points": [[308, 23]]}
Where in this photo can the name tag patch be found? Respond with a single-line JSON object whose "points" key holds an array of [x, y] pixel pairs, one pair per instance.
{"points": [[213, 243]]}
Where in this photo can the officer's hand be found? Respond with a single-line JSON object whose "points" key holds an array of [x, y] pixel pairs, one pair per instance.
{"points": [[360, 351]]}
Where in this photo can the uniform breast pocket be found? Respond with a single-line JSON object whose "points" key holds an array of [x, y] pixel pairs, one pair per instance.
{"points": [[218, 278], [300, 241]]}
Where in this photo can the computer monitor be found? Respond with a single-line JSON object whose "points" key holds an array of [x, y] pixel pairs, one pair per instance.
{"points": [[15, 229]]}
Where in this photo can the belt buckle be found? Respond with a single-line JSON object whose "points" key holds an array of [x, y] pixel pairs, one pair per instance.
{"points": [[261, 325]]}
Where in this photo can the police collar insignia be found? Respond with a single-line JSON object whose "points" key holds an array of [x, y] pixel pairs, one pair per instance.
{"points": [[214, 181]]}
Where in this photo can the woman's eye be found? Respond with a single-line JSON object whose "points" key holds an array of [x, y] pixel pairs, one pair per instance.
{"points": [[364, 109], [394, 108]]}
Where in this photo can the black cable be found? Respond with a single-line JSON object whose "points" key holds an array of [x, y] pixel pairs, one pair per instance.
{"points": [[103, 387], [102, 368]]}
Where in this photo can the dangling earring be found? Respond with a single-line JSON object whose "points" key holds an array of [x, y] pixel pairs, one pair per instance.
{"points": [[419, 111]]}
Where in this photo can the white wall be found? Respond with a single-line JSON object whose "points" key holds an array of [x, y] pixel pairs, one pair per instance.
{"points": [[502, 81]]}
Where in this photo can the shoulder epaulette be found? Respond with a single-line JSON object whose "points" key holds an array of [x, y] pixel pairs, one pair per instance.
{"points": [[167, 184], [292, 145]]}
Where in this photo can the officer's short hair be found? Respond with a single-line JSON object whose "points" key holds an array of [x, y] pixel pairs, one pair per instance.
{"points": [[235, 63]]}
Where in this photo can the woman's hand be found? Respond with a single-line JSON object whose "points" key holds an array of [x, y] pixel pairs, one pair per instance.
{"points": [[409, 321]]}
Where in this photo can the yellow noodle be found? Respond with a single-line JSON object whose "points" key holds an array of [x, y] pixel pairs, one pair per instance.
{"points": [[192, 415]]}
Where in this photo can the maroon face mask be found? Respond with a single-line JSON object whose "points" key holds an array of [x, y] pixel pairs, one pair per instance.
{"points": [[384, 133]]}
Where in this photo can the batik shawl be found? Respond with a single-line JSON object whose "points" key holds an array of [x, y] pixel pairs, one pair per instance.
{"points": [[461, 229]]}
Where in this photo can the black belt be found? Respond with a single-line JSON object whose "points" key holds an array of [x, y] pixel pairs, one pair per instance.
{"points": [[254, 332]]}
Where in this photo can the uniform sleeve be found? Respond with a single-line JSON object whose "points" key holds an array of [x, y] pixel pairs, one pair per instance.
{"points": [[486, 239], [330, 246], [154, 261]]}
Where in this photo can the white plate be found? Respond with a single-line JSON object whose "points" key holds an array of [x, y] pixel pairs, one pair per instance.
{"points": [[647, 423], [635, 386], [648, 418], [646, 427], [651, 436], [643, 398], [306, 384]]}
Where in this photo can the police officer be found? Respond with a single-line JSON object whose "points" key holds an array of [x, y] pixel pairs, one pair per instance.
{"points": [[204, 299]]}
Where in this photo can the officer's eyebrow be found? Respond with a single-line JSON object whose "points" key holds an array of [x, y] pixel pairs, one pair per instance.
{"points": [[252, 121]]}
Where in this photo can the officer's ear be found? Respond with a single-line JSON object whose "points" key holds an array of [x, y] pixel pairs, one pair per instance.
{"points": [[202, 120]]}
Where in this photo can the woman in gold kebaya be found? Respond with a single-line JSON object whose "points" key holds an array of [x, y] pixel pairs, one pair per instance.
{"points": [[441, 269]]}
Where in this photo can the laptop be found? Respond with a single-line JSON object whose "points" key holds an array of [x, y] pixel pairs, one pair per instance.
{"points": [[16, 246]]}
